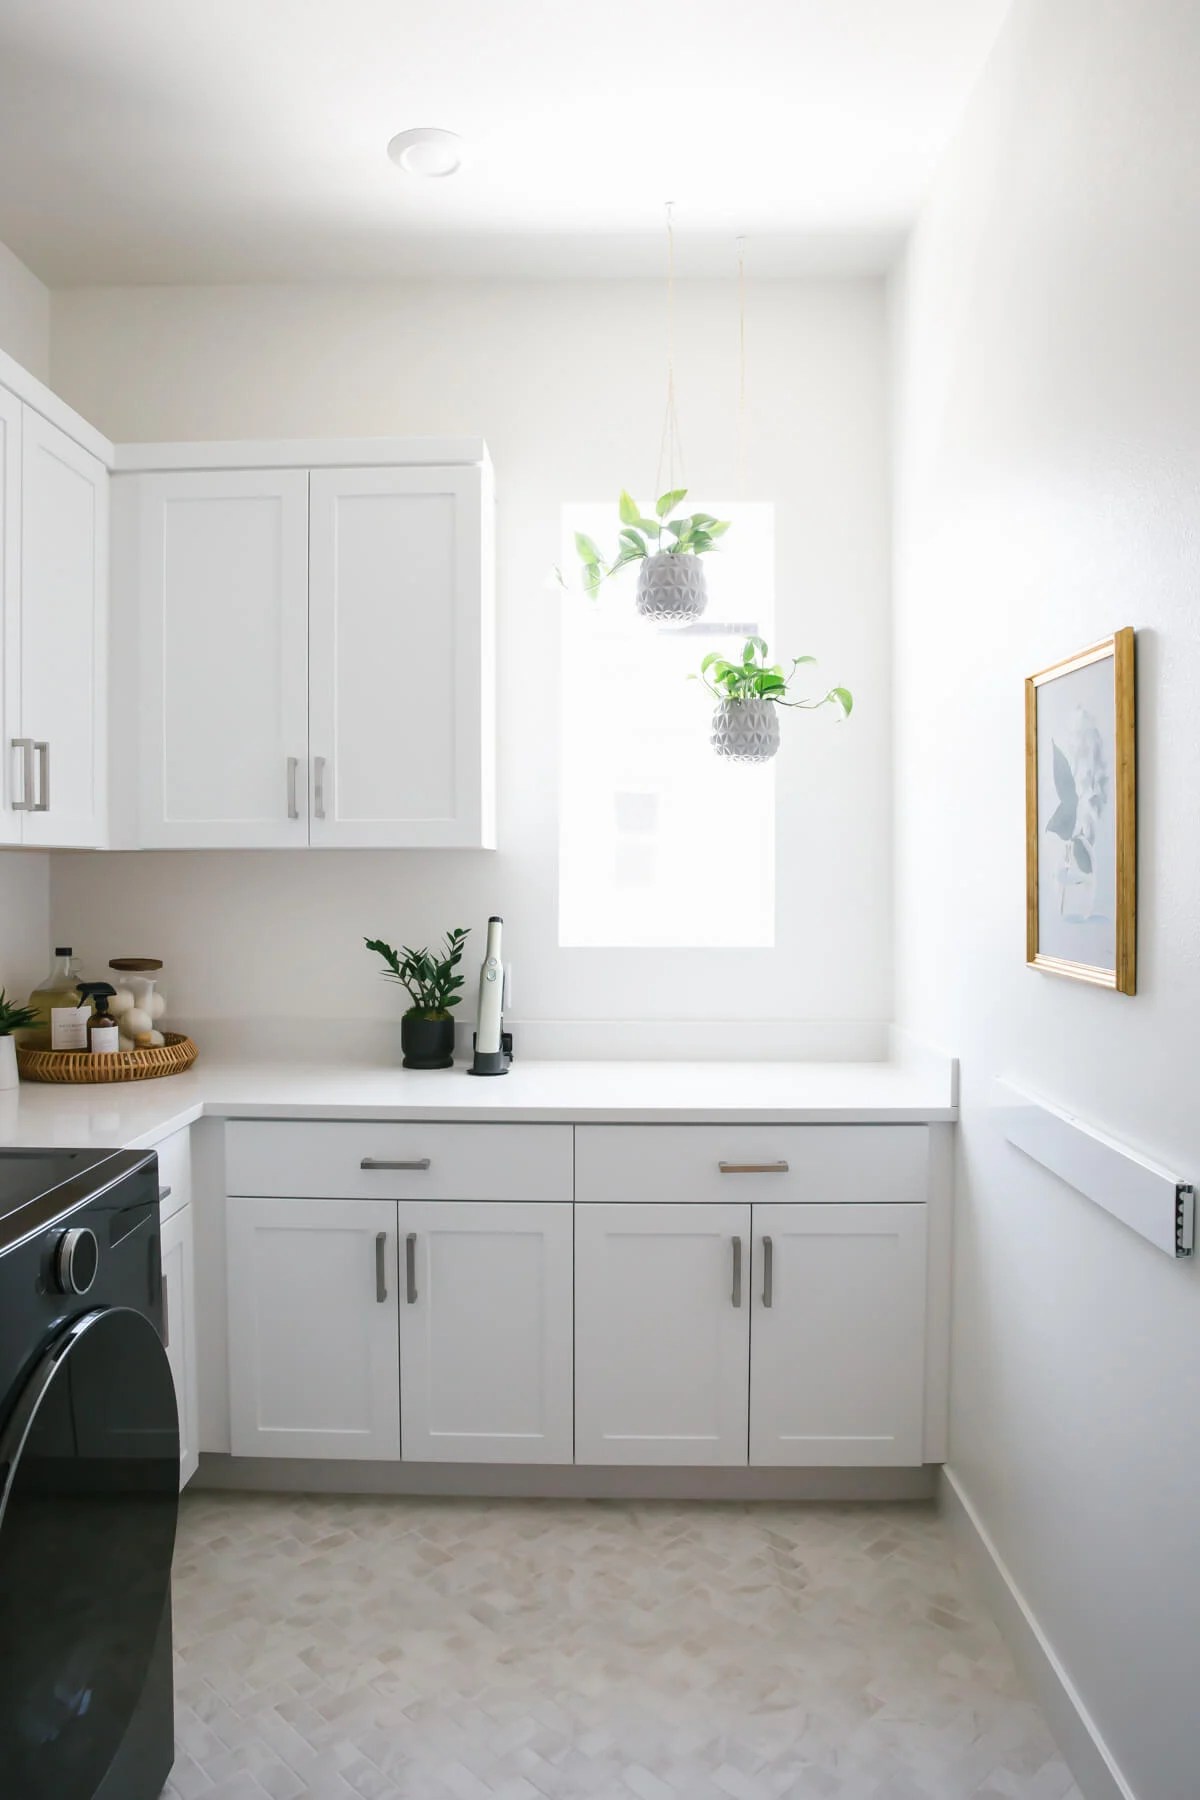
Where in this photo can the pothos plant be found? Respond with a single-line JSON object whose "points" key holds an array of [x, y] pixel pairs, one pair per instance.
{"points": [[755, 679], [669, 532], [431, 980]]}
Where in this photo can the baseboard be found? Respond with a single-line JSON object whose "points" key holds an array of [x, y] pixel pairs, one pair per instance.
{"points": [[287, 1475], [1076, 1732]]}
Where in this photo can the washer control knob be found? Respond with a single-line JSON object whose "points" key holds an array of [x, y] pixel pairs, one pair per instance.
{"points": [[76, 1259]]}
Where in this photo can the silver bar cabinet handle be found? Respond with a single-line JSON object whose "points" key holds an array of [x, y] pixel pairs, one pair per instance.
{"points": [[293, 805], [736, 1296], [381, 1266], [43, 756], [410, 1267], [318, 787], [166, 1300], [164, 1193], [775, 1168], [25, 803], [768, 1272], [374, 1162]]}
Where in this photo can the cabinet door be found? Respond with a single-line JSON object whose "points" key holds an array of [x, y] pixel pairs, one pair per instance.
{"points": [[314, 1360], [64, 632], [485, 1332], [12, 756], [662, 1333], [402, 685], [179, 1330], [219, 692], [837, 1356]]}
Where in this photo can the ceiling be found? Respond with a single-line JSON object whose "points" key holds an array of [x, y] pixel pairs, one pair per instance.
{"points": [[245, 140]]}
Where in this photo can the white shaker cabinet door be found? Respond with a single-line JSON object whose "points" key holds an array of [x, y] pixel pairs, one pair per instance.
{"points": [[64, 635], [402, 680], [179, 1330], [662, 1330], [13, 759], [216, 685], [837, 1355], [485, 1332], [314, 1365]]}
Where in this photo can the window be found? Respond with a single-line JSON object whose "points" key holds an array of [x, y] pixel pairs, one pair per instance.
{"points": [[661, 843]]}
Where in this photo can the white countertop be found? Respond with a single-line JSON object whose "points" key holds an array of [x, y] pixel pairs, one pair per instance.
{"points": [[135, 1114]]}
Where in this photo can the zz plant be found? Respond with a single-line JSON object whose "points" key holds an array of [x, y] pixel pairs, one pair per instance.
{"points": [[670, 532], [431, 980]]}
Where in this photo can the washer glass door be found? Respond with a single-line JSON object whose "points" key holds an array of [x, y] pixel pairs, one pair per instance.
{"points": [[89, 1479]]}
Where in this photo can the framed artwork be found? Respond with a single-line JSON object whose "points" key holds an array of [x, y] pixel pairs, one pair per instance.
{"points": [[1080, 816]]}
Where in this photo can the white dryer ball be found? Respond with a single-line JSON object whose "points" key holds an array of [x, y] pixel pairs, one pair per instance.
{"points": [[136, 1022], [124, 1043], [157, 1040], [156, 1005], [121, 1002]]}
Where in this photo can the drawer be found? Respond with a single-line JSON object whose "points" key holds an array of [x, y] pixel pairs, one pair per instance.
{"points": [[817, 1163], [336, 1160], [174, 1172]]}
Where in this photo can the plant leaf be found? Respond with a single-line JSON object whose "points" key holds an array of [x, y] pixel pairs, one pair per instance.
{"points": [[668, 502], [627, 506], [1082, 855], [586, 548], [845, 700]]}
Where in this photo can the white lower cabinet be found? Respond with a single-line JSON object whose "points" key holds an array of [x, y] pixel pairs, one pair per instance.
{"points": [[179, 1329], [314, 1358], [485, 1332], [662, 1333], [837, 1350]]}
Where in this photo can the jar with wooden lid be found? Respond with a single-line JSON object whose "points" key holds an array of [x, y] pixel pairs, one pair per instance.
{"points": [[138, 1004]]}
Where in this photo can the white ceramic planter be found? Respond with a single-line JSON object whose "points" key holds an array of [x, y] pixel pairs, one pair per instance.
{"points": [[746, 730], [8, 1063], [671, 589]]}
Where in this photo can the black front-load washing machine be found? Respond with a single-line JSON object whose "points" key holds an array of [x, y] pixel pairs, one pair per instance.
{"points": [[89, 1479]]}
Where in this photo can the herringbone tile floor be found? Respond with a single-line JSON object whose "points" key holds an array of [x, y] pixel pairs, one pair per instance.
{"points": [[365, 1649]]}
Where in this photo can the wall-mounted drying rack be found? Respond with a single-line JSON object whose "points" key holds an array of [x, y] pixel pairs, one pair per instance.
{"points": [[1159, 1206]]}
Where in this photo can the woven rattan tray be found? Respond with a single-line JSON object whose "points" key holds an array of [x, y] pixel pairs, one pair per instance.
{"points": [[177, 1054]]}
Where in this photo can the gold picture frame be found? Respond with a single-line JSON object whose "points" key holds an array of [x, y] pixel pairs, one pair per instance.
{"points": [[1081, 794]]}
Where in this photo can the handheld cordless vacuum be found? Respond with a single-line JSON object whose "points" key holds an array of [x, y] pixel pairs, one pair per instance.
{"points": [[492, 1044]]}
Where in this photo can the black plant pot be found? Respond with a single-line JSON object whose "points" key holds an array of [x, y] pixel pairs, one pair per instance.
{"points": [[427, 1043]]}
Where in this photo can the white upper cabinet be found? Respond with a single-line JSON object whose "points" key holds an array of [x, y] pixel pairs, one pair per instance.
{"points": [[54, 560], [838, 1342], [216, 682], [401, 657], [11, 761], [302, 655]]}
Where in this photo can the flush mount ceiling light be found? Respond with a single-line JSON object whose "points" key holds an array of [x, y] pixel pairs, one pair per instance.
{"points": [[427, 151]]}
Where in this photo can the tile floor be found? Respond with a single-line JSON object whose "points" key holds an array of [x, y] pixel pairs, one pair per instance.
{"points": [[365, 1649]]}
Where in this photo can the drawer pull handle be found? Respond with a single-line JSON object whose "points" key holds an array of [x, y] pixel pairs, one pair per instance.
{"points": [[381, 1266], [775, 1168], [164, 1193], [410, 1267], [166, 1300], [736, 1296], [372, 1162], [768, 1272]]}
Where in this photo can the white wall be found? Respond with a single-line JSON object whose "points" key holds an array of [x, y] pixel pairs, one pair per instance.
{"points": [[24, 875], [1049, 491], [566, 381]]}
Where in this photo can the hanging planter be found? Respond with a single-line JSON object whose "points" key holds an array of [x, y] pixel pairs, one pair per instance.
{"points": [[669, 548], [671, 589], [746, 731], [745, 726]]}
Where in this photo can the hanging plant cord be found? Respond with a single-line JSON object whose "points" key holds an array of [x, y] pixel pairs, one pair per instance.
{"points": [[739, 482], [670, 448]]}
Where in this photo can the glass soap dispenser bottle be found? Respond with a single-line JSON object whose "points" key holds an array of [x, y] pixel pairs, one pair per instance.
{"points": [[58, 993]]}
